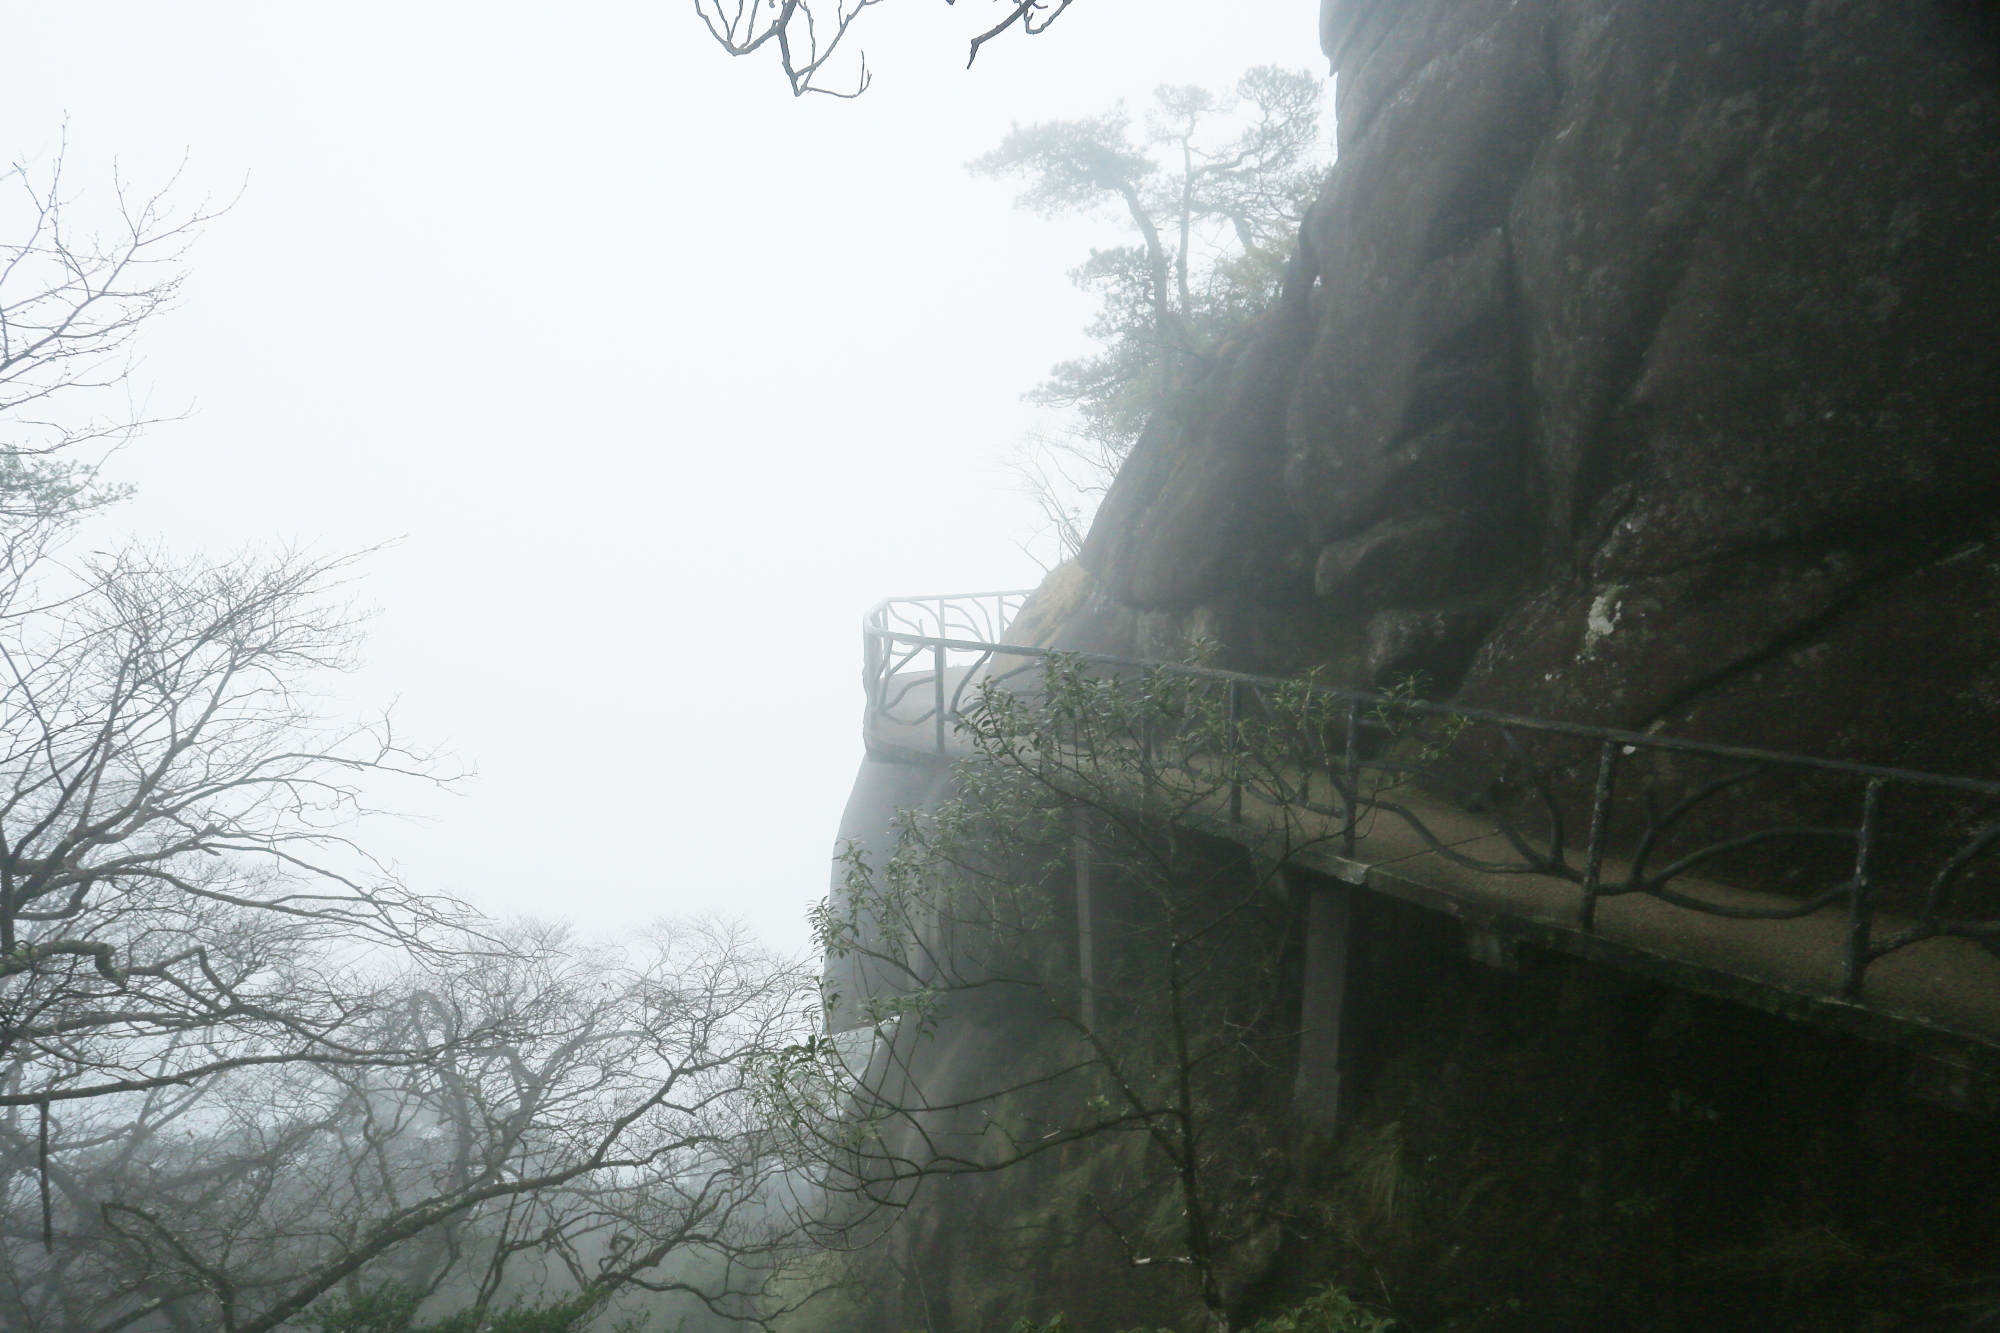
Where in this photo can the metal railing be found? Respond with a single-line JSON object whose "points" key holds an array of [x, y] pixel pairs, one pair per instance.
{"points": [[1814, 833], [945, 633]]}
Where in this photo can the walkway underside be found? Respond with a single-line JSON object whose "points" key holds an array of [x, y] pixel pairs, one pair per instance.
{"points": [[1940, 996]]}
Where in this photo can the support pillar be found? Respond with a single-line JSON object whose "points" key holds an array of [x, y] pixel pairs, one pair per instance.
{"points": [[1322, 1011], [1086, 923]]}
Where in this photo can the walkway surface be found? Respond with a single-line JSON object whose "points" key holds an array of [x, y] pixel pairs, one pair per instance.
{"points": [[1940, 996]]}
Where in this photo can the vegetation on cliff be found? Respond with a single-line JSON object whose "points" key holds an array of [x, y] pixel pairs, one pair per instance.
{"points": [[1213, 189]]}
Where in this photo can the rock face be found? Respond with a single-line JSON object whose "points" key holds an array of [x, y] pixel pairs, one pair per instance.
{"points": [[1640, 366]]}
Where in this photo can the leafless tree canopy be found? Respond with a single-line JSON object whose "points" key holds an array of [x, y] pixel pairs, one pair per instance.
{"points": [[1064, 474], [72, 297], [807, 34], [584, 1121], [177, 891], [244, 1068], [178, 894]]}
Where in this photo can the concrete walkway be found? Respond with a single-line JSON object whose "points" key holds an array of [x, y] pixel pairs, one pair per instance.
{"points": [[1939, 996]]}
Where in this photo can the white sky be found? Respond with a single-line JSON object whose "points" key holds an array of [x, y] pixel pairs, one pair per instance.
{"points": [[661, 376]]}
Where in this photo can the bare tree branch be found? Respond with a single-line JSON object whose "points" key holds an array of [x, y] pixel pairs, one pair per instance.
{"points": [[807, 34]]}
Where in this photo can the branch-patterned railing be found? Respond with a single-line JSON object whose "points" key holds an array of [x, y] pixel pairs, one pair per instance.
{"points": [[1925, 834], [911, 646]]}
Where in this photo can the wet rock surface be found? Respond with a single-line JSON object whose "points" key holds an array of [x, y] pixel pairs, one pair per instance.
{"points": [[1639, 366]]}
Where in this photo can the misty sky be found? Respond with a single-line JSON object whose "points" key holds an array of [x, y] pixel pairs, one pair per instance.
{"points": [[660, 376]]}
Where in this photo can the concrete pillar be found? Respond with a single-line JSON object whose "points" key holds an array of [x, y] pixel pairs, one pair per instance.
{"points": [[1492, 948], [1329, 936], [1086, 920]]}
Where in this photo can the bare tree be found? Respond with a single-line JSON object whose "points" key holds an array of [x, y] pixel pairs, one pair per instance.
{"points": [[178, 893], [73, 296], [1064, 474], [806, 34], [587, 1125], [244, 1069]]}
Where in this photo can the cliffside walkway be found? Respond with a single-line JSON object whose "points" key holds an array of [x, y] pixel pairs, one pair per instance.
{"points": [[1623, 888]]}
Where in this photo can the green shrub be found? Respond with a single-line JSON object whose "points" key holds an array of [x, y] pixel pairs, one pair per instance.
{"points": [[393, 1309], [384, 1310], [1328, 1310]]}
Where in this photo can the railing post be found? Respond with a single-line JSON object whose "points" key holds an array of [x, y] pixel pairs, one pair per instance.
{"points": [[871, 674], [1861, 892], [1086, 917], [1329, 946], [1600, 831], [937, 692], [1351, 788], [1235, 751]]}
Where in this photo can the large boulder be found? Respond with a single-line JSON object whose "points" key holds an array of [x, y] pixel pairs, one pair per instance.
{"points": [[1639, 367], [1638, 354]]}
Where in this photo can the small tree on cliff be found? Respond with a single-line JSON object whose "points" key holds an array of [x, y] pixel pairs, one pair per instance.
{"points": [[1211, 190]]}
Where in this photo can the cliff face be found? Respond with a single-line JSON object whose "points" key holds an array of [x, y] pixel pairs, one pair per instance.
{"points": [[1639, 366], [1564, 1149]]}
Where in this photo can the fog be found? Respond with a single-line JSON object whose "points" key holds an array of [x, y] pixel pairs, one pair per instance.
{"points": [[654, 377]]}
